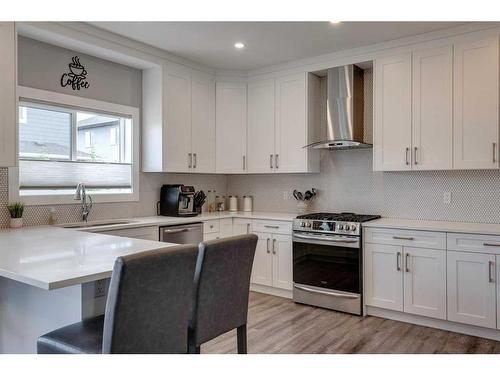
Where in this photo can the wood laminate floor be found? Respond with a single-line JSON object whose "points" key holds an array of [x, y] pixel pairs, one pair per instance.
{"points": [[278, 325]]}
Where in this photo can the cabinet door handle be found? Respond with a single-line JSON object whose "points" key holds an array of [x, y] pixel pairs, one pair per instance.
{"points": [[407, 258], [406, 156], [244, 162], [190, 160], [494, 148], [248, 228], [492, 244], [415, 160], [490, 272], [268, 251], [398, 261], [271, 161], [402, 238], [276, 161], [274, 246], [194, 160], [272, 226]]}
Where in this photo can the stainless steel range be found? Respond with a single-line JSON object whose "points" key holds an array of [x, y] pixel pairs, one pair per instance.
{"points": [[327, 260]]}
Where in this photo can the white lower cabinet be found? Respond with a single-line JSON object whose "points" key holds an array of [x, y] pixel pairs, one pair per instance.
{"points": [[471, 288], [262, 270], [273, 261], [226, 227], [425, 282], [406, 279], [241, 226], [383, 276]]}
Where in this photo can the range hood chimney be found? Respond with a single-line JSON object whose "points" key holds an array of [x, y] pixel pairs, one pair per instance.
{"points": [[344, 110]]}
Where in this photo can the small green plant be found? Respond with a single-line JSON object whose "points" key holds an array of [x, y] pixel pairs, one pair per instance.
{"points": [[16, 210]]}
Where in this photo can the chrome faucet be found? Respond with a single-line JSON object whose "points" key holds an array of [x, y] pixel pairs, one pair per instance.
{"points": [[80, 194]]}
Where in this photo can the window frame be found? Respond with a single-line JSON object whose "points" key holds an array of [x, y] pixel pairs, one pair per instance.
{"points": [[71, 102]]}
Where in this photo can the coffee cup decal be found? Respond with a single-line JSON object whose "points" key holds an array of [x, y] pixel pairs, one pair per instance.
{"points": [[77, 76]]}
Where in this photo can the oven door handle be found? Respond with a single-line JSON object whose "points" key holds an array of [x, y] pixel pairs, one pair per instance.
{"points": [[333, 294], [331, 239]]}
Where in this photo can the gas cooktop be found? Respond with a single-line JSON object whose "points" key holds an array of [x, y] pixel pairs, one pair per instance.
{"points": [[332, 223]]}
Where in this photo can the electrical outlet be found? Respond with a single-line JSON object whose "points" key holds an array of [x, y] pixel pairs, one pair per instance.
{"points": [[447, 197], [99, 288], [285, 195]]}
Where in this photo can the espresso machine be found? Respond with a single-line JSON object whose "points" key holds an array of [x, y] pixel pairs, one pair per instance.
{"points": [[176, 200]]}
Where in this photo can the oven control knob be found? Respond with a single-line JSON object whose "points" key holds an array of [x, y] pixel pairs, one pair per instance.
{"points": [[308, 224], [353, 227], [302, 224], [341, 227]]}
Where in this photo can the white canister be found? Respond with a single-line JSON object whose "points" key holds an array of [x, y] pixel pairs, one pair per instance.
{"points": [[233, 203], [247, 203]]}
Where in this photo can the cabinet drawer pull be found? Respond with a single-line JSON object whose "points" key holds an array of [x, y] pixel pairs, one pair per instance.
{"points": [[407, 258], [268, 251], [398, 261], [490, 272], [492, 244], [402, 238], [272, 226]]}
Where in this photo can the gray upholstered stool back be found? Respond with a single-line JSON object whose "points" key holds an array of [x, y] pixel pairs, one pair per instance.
{"points": [[222, 281], [149, 301]]}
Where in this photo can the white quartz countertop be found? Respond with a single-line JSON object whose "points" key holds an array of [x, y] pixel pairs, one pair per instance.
{"points": [[145, 221], [436, 226], [51, 257]]}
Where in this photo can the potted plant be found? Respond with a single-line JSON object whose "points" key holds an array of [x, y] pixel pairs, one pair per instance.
{"points": [[16, 210]]}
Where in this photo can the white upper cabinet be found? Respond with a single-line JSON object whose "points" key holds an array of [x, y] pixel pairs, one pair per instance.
{"points": [[392, 113], [178, 128], [203, 123], [231, 127], [260, 127], [432, 123], [8, 107], [476, 104], [295, 126], [177, 137]]}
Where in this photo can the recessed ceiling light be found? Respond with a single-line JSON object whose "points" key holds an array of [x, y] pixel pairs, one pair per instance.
{"points": [[239, 45]]}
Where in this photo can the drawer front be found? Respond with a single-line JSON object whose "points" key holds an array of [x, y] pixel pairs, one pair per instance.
{"points": [[211, 226], [478, 243], [210, 236], [413, 238], [142, 233], [272, 226]]}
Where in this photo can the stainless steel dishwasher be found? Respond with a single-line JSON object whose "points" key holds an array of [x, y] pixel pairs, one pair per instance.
{"points": [[182, 234]]}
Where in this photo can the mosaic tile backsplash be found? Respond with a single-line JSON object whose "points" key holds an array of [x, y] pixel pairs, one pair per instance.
{"points": [[347, 183], [150, 184]]}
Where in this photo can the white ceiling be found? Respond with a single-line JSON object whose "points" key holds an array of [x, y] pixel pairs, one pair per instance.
{"points": [[267, 43]]}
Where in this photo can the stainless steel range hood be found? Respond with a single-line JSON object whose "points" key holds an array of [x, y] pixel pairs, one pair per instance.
{"points": [[344, 110]]}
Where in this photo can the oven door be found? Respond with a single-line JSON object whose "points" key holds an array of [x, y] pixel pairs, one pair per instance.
{"points": [[327, 271]]}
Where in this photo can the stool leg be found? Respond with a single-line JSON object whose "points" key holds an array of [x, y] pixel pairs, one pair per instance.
{"points": [[242, 339]]}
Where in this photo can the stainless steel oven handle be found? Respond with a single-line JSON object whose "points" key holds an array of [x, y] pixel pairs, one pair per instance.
{"points": [[334, 294], [178, 230], [329, 239]]}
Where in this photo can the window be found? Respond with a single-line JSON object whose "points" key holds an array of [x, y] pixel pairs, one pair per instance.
{"points": [[61, 144]]}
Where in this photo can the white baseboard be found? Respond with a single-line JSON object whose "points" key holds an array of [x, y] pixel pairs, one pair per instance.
{"points": [[270, 290], [487, 333]]}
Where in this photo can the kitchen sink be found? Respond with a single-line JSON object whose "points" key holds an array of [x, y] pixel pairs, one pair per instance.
{"points": [[96, 224]]}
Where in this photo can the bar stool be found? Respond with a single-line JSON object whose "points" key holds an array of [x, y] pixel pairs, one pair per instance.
{"points": [[147, 309], [221, 288]]}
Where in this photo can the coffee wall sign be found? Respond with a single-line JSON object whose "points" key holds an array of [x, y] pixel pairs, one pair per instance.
{"points": [[77, 76]]}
